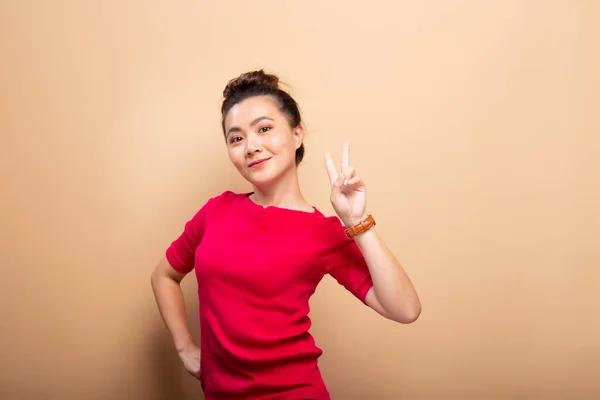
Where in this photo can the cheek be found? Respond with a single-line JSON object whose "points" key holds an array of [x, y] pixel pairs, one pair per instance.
{"points": [[236, 156], [281, 143]]}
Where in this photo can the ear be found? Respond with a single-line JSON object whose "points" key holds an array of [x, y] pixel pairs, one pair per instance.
{"points": [[299, 135]]}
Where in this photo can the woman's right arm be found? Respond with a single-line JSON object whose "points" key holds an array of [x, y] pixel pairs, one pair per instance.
{"points": [[166, 285]]}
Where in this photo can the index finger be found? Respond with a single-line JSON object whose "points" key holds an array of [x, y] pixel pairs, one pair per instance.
{"points": [[331, 170]]}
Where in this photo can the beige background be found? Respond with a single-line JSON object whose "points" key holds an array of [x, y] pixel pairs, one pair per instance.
{"points": [[474, 124]]}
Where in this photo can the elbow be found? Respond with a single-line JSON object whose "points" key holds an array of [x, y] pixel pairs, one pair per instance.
{"points": [[156, 279], [154, 276], [408, 315], [164, 272]]}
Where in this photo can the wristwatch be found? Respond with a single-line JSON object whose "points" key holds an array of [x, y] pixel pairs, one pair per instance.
{"points": [[361, 227]]}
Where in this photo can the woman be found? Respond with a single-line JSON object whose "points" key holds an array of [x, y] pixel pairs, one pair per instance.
{"points": [[259, 256]]}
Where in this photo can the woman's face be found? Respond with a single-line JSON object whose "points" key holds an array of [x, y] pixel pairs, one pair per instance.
{"points": [[260, 141]]}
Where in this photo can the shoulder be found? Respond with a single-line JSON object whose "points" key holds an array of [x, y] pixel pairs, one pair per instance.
{"points": [[216, 203], [221, 202], [332, 231], [332, 223], [225, 197], [337, 248], [228, 198]]}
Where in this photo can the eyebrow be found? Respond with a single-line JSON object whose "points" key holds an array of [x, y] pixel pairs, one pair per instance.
{"points": [[254, 122]]}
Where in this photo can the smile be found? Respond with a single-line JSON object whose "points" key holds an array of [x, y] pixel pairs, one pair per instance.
{"points": [[258, 163]]}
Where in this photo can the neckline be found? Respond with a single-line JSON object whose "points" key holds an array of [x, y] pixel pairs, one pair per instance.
{"points": [[276, 208]]}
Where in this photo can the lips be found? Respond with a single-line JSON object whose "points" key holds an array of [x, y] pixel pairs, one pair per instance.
{"points": [[258, 163]]}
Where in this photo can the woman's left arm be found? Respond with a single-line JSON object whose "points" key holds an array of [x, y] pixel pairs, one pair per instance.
{"points": [[393, 294]]}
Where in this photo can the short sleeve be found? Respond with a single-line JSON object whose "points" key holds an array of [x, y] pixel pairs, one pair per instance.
{"points": [[348, 267], [181, 252]]}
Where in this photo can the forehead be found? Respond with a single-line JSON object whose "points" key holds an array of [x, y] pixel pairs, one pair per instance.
{"points": [[246, 111]]}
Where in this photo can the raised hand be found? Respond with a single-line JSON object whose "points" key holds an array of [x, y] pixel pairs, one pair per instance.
{"points": [[348, 191]]}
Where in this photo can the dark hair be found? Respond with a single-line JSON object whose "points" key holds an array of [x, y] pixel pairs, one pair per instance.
{"points": [[259, 83]]}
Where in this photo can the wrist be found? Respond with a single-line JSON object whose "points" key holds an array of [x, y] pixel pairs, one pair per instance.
{"points": [[359, 227], [350, 222], [184, 344]]}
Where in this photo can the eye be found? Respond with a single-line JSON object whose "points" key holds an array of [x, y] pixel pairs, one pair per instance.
{"points": [[234, 139], [264, 129]]}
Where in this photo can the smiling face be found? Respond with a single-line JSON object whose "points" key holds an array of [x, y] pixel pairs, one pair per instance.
{"points": [[261, 143]]}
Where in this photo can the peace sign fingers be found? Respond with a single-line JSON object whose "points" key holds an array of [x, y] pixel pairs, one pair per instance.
{"points": [[331, 170], [347, 171], [348, 195]]}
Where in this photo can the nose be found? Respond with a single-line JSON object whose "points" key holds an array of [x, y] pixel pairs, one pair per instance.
{"points": [[252, 145]]}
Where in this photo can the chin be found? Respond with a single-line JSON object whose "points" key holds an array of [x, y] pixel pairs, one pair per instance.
{"points": [[261, 181], [265, 178]]}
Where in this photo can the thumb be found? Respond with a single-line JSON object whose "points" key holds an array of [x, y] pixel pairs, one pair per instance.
{"points": [[337, 184], [336, 187]]}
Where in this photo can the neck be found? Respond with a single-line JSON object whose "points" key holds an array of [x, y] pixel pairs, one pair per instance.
{"points": [[285, 193]]}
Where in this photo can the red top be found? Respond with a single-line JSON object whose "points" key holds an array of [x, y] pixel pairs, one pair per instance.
{"points": [[257, 268]]}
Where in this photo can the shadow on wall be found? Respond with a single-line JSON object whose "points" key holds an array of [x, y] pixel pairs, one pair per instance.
{"points": [[166, 369], [171, 380]]}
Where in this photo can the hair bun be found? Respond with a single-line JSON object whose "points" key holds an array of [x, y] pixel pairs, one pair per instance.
{"points": [[248, 80]]}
